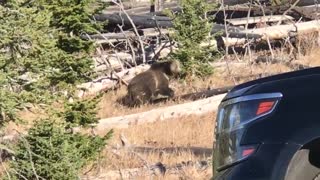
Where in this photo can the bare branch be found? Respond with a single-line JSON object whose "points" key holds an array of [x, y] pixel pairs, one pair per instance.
{"points": [[286, 11], [134, 27], [5, 169], [227, 44], [130, 45]]}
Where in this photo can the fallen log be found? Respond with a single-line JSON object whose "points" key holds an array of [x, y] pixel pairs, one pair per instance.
{"points": [[148, 9], [310, 12], [145, 21], [115, 61], [140, 21], [229, 9], [234, 38], [275, 33], [204, 94], [197, 107], [121, 59], [108, 82], [283, 31], [258, 19], [148, 32], [126, 5]]}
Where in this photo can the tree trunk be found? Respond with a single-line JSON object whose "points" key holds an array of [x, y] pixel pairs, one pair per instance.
{"points": [[145, 21], [283, 31]]}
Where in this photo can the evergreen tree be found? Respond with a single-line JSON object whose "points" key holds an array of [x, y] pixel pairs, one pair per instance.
{"points": [[51, 151], [41, 52], [73, 18], [191, 28], [42, 56]]}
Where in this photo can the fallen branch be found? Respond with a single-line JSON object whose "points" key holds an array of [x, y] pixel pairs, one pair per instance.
{"points": [[197, 107], [113, 58], [144, 21], [148, 32], [259, 19], [278, 32], [282, 31], [133, 25], [107, 82], [204, 94]]}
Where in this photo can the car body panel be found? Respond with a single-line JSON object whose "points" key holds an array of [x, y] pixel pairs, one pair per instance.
{"points": [[268, 163], [294, 122]]}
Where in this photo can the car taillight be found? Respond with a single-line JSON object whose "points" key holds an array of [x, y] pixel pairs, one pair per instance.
{"points": [[265, 107], [241, 153], [232, 119], [247, 151], [234, 113]]}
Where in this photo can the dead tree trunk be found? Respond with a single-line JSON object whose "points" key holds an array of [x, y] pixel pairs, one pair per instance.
{"points": [[196, 107]]}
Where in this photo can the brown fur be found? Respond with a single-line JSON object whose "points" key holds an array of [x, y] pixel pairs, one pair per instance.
{"points": [[152, 84]]}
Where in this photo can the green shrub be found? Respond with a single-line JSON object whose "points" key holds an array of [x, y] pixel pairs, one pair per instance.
{"points": [[73, 18], [50, 151], [42, 58], [41, 53], [81, 112], [191, 28]]}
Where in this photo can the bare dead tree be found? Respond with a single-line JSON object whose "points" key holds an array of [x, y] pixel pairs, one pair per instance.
{"points": [[107, 62], [120, 5], [227, 44], [130, 45], [286, 11], [247, 46]]}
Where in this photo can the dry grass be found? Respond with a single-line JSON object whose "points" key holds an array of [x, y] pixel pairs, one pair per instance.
{"points": [[312, 59], [27, 118], [187, 132], [186, 174]]}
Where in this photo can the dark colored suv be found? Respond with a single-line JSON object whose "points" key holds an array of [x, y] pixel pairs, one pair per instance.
{"points": [[270, 129]]}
